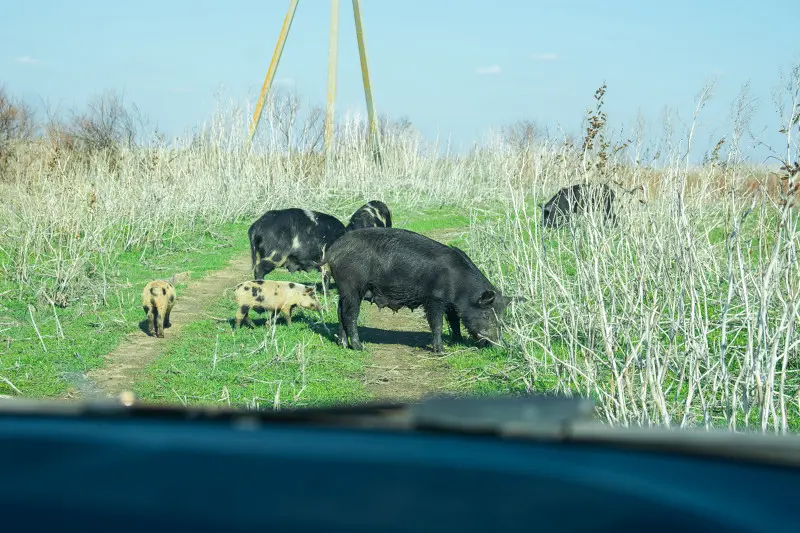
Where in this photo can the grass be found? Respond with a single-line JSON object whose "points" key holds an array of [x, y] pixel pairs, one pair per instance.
{"points": [[44, 345], [656, 331], [263, 366], [685, 314], [489, 372], [427, 220], [210, 363]]}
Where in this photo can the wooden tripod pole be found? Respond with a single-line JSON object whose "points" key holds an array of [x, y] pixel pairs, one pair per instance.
{"points": [[333, 50], [273, 66], [330, 105], [362, 54]]}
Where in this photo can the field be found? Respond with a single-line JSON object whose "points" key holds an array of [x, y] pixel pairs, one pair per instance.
{"points": [[684, 314]]}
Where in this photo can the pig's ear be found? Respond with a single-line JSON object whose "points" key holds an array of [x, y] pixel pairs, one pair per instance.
{"points": [[486, 299], [309, 290], [502, 301]]}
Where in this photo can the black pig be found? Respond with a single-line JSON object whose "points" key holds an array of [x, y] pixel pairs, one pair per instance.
{"points": [[578, 197], [374, 214], [292, 238], [397, 268]]}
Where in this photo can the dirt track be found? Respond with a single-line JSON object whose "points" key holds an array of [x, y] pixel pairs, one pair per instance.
{"points": [[137, 350], [402, 366]]}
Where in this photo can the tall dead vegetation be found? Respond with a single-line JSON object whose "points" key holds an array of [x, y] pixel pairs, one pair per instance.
{"points": [[17, 125], [687, 314]]}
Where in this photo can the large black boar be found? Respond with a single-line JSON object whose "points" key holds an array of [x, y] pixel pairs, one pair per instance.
{"points": [[397, 268], [292, 238], [578, 197], [374, 214]]}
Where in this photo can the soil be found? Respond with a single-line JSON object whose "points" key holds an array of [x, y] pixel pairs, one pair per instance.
{"points": [[403, 367]]}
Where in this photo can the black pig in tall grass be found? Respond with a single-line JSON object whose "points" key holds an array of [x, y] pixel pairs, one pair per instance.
{"points": [[374, 214], [397, 268], [293, 238], [575, 198]]}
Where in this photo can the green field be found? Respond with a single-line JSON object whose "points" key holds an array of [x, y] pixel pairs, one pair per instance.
{"points": [[684, 314], [552, 341], [45, 345], [301, 365], [48, 349]]}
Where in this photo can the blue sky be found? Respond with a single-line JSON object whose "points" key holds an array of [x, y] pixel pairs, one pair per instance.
{"points": [[455, 68]]}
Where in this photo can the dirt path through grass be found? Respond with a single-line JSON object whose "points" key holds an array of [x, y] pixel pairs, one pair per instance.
{"points": [[402, 367], [138, 349]]}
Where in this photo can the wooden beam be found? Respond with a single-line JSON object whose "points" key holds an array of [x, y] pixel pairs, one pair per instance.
{"points": [[362, 52], [273, 66], [330, 108]]}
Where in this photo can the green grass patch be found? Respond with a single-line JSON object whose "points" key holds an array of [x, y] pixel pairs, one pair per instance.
{"points": [[210, 364], [427, 220], [487, 371], [42, 345], [297, 365]]}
